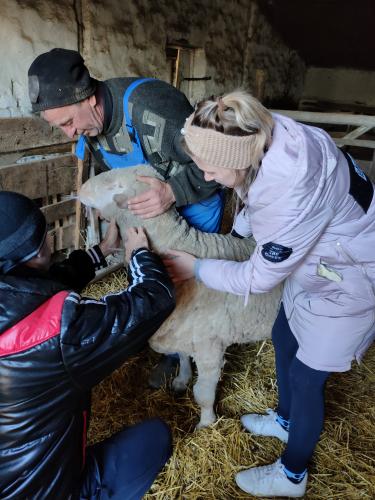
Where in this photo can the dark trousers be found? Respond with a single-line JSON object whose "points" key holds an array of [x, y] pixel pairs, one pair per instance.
{"points": [[124, 466], [301, 397]]}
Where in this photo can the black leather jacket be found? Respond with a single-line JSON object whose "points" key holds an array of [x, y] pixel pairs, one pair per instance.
{"points": [[54, 347]]}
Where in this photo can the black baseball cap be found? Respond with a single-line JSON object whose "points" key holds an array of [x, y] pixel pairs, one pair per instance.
{"points": [[59, 78]]}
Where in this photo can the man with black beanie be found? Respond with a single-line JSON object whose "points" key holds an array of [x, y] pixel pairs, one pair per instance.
{"points": [[125, 122], [55, 346]]}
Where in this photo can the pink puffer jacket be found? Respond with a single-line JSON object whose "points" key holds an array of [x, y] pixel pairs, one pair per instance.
{"points": [[312, 215]]}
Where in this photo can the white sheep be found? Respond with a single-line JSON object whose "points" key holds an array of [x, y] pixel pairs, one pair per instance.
{"points": [[205, 322]]}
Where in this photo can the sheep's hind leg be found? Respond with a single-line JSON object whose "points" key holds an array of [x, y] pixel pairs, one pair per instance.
{"points": [[209, 366], [180, 383]]}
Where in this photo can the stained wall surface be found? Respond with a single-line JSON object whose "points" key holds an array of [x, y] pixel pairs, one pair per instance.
{"points": [[341, 86], [228, 43]]}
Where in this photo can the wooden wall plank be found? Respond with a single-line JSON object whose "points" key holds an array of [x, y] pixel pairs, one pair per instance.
{"points": [[59, 210], [17, 134], [41, 178]]}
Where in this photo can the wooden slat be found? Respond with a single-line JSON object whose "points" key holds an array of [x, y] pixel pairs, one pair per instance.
{"points": [[62, 237], [17, 134], [355, 142], [41, 178], [356, 133], [59, 210]]}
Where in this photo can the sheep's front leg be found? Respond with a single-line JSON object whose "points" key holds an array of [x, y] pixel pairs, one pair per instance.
{"points": [[209, 364], [180, 383]]}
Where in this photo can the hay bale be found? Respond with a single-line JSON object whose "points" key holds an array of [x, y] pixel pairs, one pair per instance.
{"points": [[204, 463]]}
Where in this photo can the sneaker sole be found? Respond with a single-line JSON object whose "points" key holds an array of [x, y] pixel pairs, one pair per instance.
{"points": [[255, 494]]}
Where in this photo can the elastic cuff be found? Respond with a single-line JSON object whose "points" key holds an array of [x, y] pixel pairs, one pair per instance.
{"points": [[139, 250], [197, 265], [236, 235], [97, 257]]}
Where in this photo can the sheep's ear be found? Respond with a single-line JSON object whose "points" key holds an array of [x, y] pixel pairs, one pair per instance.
{"points": [[121, 200]]}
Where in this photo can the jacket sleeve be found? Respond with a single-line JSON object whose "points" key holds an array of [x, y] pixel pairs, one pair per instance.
{"points": [[79, 268], [271, 262], [189, 186], [97, 336], [242, 224]]}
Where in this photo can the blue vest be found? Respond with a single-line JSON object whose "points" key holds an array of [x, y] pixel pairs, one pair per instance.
{"points": [[205, 215], [120, 160]]}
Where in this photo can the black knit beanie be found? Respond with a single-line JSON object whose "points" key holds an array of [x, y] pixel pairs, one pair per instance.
{"points": [[58, 78], [22, 230]]}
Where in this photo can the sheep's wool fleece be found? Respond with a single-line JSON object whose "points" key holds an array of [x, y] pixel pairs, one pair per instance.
{"points": [[216, 148], [312, 234]]}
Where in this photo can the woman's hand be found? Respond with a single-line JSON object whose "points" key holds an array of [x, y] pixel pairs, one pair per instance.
{"points": [[112, 241], [135, 238], [180, 265]]}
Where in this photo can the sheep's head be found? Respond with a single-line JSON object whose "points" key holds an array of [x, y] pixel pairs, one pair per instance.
{"points": [[110, 190]]}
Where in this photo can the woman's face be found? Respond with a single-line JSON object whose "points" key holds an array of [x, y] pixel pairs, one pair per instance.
{"points": [[225, 176]]}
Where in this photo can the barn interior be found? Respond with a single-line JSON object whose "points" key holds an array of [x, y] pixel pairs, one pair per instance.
{"points": [[311, 60]]}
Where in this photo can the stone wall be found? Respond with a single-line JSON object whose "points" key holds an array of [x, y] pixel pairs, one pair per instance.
{"points": [[228, 43]]}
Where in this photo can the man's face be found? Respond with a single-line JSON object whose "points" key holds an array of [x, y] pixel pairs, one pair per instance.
{"points": [[82, 118]]}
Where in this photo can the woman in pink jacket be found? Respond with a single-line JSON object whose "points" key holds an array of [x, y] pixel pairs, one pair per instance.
{"points": [[311, 212]]}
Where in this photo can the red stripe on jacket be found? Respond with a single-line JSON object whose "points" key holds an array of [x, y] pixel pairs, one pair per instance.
{"points": [[39, 326]]}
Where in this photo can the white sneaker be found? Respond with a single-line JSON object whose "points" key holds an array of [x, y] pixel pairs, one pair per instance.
{"points": [[269, 481], [265, 425]]}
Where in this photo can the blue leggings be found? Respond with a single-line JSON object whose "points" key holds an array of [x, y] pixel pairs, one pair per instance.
{"points": [[124, 466], [301, 397]]}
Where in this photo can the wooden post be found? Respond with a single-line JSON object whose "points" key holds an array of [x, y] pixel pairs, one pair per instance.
{"points": [[78, 210], [260, 81]]}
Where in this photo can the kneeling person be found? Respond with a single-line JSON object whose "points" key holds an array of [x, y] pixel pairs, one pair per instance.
{"points": [[55, 346]]}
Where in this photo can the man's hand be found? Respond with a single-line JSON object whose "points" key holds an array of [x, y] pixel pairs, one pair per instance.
{"points": [[154, 201], [135, 238], [180, 265], [111, 242]]}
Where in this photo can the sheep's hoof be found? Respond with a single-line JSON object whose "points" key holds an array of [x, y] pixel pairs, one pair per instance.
{"points": [[179, 386], [205, 422]]}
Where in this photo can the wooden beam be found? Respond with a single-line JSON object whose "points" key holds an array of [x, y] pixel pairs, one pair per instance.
{"points": [[78, 207], [354, 134], [17, 134], [328, 118], [354, 142], [41, 178]]}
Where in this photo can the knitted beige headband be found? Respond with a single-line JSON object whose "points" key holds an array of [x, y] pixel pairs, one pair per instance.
{"points": [[216, 148]]}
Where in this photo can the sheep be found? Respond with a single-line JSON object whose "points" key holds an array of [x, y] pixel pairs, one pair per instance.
{"points": [[205, 322]]}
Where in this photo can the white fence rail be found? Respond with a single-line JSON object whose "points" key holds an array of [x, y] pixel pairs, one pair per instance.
{"points": [[356, 127]]}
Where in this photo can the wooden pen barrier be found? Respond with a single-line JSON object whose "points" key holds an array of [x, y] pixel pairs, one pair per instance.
{"points": [[37, 161]]}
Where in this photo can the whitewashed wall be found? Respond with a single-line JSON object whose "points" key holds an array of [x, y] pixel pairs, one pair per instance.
{"points": [[127, 38], [340, 85]]}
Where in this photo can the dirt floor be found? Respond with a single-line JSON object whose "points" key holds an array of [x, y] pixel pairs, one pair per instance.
{"points": [[204, 462]]}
